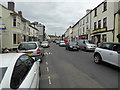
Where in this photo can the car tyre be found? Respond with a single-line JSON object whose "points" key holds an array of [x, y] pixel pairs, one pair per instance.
{"points": [[97, 59]]}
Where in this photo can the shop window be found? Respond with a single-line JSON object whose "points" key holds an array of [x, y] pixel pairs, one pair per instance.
{"points": [[99, 24], [104, 22], [14, 39]]}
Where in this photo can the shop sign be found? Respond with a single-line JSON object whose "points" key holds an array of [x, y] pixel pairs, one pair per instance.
{"points": [[88, 31], [2, 27], [99, 30]]}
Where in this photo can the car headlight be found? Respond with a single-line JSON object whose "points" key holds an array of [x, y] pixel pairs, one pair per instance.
{"points": [[70, 46]]}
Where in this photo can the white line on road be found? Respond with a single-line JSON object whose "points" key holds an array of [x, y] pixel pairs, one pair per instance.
{"points": [[49, 80], [46, 63], [47, 69]]}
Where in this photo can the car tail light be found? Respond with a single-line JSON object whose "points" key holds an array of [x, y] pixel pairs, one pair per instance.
{"points": [[38, 51]]}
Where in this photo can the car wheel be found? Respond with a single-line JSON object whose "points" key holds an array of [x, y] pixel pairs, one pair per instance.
{"points": [[85, 49], [97, 59]]}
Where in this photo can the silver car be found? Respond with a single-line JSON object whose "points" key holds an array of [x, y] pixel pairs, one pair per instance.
{"points": [[45, 44], [108, 52], [87, 45], [31, 48]]}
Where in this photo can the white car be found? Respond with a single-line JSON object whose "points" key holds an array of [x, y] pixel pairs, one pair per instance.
{"points": [[62, 44], [31, 48], [18, 70], [45, 44], [108, 52]]}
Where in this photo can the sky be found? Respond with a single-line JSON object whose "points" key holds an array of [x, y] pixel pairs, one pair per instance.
{"points": [[56, 15]]}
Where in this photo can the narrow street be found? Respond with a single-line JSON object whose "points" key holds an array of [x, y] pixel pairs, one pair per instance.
{"points": [[75, 69]]}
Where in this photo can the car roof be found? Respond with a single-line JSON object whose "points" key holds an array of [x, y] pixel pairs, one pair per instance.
{"points": [[8, 58], [29, 42], [112, 42]]}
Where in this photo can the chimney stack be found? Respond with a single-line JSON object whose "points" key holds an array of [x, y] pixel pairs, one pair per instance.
{"points": [[20, 13], [88, 10], [11, 5]]}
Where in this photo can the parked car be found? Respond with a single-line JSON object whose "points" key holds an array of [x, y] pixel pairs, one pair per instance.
{"points": [[19, 71], [31, 48], [87, 45], [57, 41], [45, 44], [72, 46], [108, 52], [62, 44]]}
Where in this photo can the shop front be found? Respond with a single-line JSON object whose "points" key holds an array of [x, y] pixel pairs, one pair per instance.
{"points": [[83, 36]]}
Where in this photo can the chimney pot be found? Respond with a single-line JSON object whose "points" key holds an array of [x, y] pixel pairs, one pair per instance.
{"points": [[20, 13]]}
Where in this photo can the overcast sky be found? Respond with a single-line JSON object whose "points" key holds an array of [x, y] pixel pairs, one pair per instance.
{"points": [[56, 15]]}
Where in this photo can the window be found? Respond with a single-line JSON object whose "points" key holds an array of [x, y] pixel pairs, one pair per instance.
{"points": [[99, 24], [104, 22], [14, 21], [95, 26], [106, 46], [105, 6], [83, 21], [27, 46], [2, 72], [87, 20], [83, 30], [21, 69], [104, 38], [86, 27], [14, 39], [95, 12], [116, 47]]}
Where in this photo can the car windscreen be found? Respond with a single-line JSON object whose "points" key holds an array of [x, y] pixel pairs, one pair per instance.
{"points": [[2, 72], [90, 42], [27, 46], [73, 43]]}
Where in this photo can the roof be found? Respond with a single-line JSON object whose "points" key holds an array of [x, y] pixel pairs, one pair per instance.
{"points": [[7, 59]]}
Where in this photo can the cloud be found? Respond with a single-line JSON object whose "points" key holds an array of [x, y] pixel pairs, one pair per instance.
{"points": [[57, 15]]}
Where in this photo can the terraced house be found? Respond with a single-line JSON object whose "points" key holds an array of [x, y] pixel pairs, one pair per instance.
{"points": [[101, 24], [14, 28]]}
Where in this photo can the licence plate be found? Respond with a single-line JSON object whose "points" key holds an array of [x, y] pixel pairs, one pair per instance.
{"points": [[29, 53], [74, 48]]}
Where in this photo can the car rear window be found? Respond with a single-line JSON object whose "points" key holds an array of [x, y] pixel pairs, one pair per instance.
{"points": [[27, 46], [73, 43], [2, 73]]}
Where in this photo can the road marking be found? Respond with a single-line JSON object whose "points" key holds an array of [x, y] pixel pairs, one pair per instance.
{"points": [[47, 69], [46, 63], [49, 80]]}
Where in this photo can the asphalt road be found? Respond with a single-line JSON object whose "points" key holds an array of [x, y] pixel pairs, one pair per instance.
{"points": [[75, 69]]}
